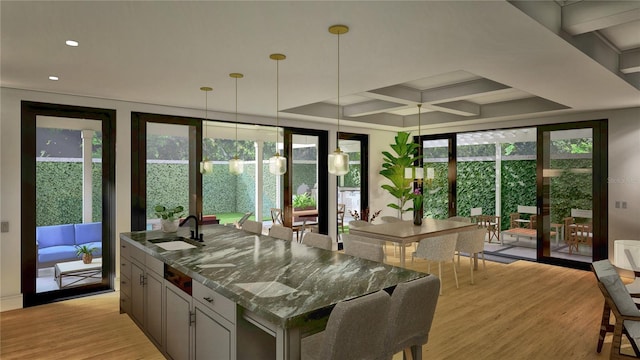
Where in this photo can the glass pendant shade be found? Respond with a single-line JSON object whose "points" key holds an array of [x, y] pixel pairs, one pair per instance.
{"points": [[414, 173], [277, 164], [236, 166], [206, 167], [338, 163]]}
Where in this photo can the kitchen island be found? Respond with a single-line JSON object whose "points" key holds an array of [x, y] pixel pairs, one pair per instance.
{"points": [[280, 289]]}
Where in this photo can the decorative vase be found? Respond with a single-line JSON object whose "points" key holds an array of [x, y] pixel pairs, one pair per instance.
{"points": [[169, 226], [87, 258], [417, 216]]}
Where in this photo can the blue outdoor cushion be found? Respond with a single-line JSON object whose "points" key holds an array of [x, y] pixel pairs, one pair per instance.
{"points": [[88, 233], [55, 235], [53, 254]]}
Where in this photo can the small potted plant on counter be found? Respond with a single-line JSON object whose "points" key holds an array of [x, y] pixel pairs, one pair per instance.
{"points": [[169, 216], [85, 252]]}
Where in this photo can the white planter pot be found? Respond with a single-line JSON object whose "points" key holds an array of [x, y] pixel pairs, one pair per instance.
{"points": [[169, 226]]}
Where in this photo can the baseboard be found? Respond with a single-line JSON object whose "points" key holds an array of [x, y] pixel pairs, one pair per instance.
{"points": [[11, 302]]}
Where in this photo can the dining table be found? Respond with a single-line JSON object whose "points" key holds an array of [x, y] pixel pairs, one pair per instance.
{"points": [[405, 232]]}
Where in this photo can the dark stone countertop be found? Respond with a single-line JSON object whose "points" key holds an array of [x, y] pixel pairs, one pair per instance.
{"points": [[320, 278]]}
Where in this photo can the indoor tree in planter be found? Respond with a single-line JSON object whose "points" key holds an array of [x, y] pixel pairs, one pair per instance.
{"points": [[393, 169]]}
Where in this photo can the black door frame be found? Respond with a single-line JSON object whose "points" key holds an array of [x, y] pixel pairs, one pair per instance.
{"points": [[600, 173], [364, 166], [29, 113], [452, 164]]}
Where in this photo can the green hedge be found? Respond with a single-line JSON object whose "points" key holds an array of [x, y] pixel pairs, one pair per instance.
{"points": [[59, 193]]}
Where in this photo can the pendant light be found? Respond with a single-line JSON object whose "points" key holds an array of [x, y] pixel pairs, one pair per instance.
{"points": [[419, 171], [236, 165], [277, 163], [206, 166], [338, 160]]}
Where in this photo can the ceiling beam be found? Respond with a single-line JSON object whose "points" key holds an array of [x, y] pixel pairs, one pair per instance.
{"points": [[396, 93], [630, 61], [371, 107], [586, 16], [461, 90], [461, 107]]}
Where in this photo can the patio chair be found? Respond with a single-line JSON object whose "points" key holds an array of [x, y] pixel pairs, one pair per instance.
{"points": [[492, 224], [281, 232], [619, 301], [276, 216], [341, 211], [579, 234], [413, 305], [356, 329], [318, 240], [439, 249], [472, 243], [252, 226]]}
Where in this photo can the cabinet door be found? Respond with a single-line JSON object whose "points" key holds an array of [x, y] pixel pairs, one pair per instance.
{"points": [[212, 335], [153, 307], [137, 294], [178, 323]]}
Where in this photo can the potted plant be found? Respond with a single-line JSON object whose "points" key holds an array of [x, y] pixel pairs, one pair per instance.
{"points": [[303, 201], [85, 252], [169, 217]]}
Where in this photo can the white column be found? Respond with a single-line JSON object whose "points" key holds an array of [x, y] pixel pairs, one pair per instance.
{"points": [[498, 179], [259, 145], [87, 178]]}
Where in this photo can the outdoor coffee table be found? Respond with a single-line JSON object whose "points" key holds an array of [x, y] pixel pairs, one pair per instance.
{"points": [[77, 269]]}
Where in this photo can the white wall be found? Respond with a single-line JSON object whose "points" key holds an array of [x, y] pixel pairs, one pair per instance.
{"points": [[624, 169]]}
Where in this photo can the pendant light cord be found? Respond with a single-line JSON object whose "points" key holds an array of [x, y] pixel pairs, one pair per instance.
{"points": [[338, 132], [277, 102], [236, 118]]}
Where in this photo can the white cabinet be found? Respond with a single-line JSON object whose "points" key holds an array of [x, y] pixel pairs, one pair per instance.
{"points": [[215, 324], [179, 319], [143, 280]]}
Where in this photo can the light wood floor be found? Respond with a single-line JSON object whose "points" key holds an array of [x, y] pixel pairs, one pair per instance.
{"points": [[521, 310]]}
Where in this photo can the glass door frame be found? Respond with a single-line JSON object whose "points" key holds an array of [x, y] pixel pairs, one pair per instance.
{"points": [[323, 181], [600, 194], [29, 113], [139, 122], [452, 166], [364, 166]]}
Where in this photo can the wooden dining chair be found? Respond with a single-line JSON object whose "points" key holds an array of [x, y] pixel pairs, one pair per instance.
{"points": [[276, 216], [341, 211]]}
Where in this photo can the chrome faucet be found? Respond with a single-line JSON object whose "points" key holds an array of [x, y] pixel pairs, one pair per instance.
{"points": [[194, 233]]}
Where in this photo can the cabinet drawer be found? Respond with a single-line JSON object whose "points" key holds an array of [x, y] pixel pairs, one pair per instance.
{"points": [[155, 265], [136, 254], [214, 301], [125, 267], [124, 248], [125, 284], [125, 303]]}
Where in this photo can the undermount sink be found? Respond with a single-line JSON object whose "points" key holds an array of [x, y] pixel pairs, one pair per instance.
{"points": [[176, 243]]}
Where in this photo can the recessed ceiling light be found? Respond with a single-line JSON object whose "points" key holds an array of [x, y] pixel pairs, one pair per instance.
{"points": [[71, 43], [54, 78]]}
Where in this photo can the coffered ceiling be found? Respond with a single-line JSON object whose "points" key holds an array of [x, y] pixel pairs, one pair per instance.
{"points": [[465, 61]]}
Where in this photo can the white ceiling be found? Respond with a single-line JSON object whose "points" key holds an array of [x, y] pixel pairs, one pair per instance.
{"points": [[463, 60]]}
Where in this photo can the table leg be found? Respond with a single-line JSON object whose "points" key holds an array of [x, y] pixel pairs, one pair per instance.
{"points": [[403, 252]]}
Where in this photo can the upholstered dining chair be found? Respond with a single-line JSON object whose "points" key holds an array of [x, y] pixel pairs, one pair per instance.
{"points": [[281, 232], [356, 329], [472, 243], [393, 219], [439, 249], [413, 305], [252, 226], [356, 223], [318, 240], [363, 247]]}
